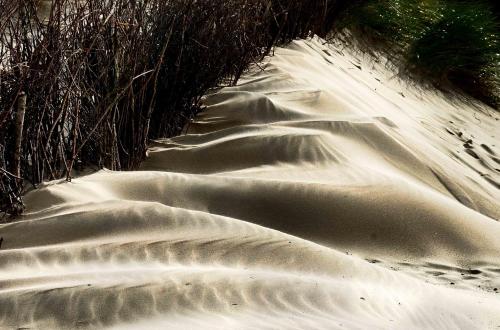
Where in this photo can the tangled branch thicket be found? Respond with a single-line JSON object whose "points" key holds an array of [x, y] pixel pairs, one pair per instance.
{"points": [[89, 82]]}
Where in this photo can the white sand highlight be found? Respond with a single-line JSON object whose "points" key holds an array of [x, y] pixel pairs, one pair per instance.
{"points": [[319, 193]]}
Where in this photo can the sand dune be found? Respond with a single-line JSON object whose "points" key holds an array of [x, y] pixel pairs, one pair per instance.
{"points": [[319, 193]]}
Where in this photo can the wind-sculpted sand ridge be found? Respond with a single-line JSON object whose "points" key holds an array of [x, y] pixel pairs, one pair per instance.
{"points": [[320, 192]]}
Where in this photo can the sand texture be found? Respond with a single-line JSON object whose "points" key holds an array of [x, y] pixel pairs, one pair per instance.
{"points": [[319, 193]]}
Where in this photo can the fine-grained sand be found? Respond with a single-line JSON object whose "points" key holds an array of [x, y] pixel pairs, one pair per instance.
{"points": [[321, 192]]}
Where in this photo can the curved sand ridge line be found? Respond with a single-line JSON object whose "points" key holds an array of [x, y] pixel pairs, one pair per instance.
{"points": [[318, 193]]}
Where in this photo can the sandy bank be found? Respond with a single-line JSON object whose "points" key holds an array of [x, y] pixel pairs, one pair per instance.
{"points": [[320, 192]]}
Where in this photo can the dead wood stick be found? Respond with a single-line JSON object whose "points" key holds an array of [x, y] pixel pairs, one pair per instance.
{"points": [[21, 110]]}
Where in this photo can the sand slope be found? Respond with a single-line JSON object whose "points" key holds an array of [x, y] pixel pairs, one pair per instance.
{"points": [[320, 192]]}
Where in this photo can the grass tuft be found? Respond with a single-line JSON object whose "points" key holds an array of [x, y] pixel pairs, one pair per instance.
{"points": [[461, 48], [453, 44]]}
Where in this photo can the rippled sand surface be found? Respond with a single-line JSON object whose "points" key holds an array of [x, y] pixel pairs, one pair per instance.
{"points": [[319, 193]]}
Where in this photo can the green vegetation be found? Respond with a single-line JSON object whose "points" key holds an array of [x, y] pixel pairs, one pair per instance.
{"points": [[453, 44], [462, 48]]}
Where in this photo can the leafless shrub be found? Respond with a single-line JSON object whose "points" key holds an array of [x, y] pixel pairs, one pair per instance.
{"points": [[102, 77]]}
